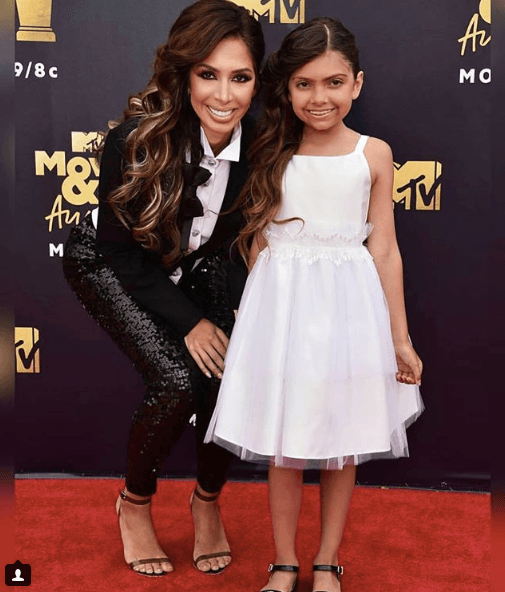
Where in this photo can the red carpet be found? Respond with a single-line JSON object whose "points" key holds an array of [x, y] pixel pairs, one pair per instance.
{"points": [[395, 540]]}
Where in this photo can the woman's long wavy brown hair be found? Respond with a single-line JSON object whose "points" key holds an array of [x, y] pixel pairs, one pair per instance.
{"points": [[148, 200], [279, 131]]}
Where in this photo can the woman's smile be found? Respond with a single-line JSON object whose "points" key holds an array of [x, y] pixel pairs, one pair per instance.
{"points": [[219, 113]]}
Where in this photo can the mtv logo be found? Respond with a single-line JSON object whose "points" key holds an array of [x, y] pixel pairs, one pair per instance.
{"points": [[86, 141], [27, 350], [417, 184], [276, 11]]}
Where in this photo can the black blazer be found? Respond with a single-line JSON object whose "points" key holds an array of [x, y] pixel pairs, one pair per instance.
{"points": [[140, 271]]}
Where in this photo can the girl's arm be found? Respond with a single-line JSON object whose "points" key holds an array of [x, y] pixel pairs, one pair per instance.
{"points": [[258, 244], [383, 247]]}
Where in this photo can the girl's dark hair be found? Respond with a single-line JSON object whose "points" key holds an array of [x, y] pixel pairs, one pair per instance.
{"points": [[156, 149], [279, 131]]}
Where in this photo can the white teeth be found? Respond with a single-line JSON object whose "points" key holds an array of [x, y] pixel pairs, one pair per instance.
{"points": [[220, 113], [320, 113]]}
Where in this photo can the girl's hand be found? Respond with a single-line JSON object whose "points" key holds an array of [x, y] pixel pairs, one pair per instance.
{"points": [[410, 366], [207, 345]]}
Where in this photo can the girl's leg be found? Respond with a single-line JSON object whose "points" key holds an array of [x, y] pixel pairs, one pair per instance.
{"points": [[285, 498], [335, 492]]}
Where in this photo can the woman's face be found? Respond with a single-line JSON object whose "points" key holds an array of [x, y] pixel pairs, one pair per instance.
{"points": [[222, 87]]}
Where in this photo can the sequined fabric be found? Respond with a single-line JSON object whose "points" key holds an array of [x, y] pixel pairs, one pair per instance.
{"points": [[175, 386]]}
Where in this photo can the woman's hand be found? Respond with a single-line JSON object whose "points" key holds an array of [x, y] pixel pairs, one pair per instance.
{"points": [[207, 345], [410, 366]]}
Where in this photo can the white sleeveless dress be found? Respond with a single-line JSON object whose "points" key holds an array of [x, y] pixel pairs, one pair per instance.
{"points": [[310, 369]]}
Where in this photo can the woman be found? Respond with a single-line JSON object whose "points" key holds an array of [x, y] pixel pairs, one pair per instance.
{"points": [[161, 280]]}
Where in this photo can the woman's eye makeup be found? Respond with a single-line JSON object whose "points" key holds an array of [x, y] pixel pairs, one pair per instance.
{"points": [[336, 82], [210, 75], [242, 78], [206, 74]]}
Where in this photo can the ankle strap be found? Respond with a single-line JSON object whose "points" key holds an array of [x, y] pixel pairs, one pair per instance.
{"points": [[336, 569], [131, 500], [272, 568], [206, 497]]}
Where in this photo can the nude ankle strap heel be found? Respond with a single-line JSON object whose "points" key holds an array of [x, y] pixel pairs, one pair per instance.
{"points": [[208, 497], [124, 497]]}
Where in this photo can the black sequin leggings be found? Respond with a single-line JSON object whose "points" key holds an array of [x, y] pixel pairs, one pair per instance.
{"points": [[175, 386]]}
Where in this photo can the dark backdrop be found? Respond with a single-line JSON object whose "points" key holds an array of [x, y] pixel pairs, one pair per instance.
{"points": [[427, 72]]}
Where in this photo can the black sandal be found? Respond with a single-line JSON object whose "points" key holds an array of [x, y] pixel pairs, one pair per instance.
{"points": [[338, 570], [293, 568], [212, 572], [126, 498]]}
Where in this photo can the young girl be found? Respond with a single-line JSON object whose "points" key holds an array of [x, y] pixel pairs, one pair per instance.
{"points": [[319, 374]]}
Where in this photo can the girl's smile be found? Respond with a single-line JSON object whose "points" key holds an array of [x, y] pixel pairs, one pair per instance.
{"points": [[322, 91], [321, 113]]}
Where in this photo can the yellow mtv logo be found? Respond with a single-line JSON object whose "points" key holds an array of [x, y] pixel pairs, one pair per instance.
{"points": [[27, 343], [417, 184], [86, 141], [276, 11]]}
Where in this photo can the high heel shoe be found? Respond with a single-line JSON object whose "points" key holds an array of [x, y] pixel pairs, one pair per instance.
{"points": [[205, 557], [338, 570], [123, 497], [293, 568]]}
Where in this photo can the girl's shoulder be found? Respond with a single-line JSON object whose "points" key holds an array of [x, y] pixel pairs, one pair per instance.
{"points": [[379, 156], [377, 148]]}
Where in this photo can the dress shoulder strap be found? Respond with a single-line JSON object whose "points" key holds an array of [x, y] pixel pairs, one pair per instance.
{"points": [[360, 146]]}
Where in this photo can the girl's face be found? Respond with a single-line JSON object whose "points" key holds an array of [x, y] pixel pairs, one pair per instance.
{"points": [[322, 91], [222, 87]]}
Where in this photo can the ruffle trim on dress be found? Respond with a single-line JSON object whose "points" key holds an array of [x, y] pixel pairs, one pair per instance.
{"points": [[336, 255], [286, 233], [290, 243]]}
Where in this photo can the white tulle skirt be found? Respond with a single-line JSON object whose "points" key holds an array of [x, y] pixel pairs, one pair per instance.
{"points": [[310, 370]]}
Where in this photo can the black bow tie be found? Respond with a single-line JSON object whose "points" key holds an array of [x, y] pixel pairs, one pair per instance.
{"points": [[191, 207]]}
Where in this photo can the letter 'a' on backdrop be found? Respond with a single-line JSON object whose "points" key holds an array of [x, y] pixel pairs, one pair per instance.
{"points": [[427, 74]]}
